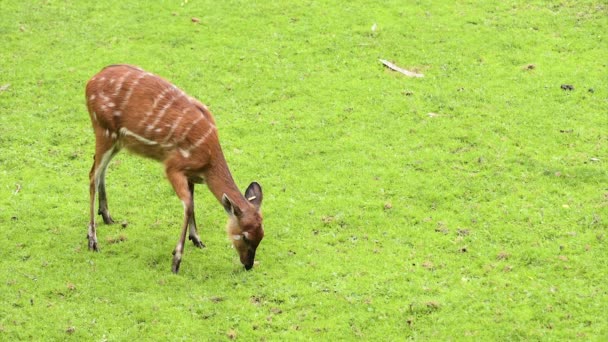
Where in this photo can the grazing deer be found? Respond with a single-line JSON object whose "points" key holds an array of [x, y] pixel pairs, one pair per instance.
{"points": [[133, 109]]}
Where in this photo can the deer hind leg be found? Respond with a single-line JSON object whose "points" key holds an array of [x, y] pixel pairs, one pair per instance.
{"points": [[179, 182], [193, 236], [103, 199], [105, 149]]}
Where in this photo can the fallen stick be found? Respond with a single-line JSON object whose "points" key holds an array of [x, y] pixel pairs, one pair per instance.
{"points": [[401, 70]]}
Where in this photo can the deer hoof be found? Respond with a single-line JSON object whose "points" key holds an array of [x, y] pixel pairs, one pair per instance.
{"points": [[107, 219], [93, 245], [175, 266], [197, 242], [177, 260]]}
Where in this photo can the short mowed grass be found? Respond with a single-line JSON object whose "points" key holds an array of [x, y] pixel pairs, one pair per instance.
{"points": [[471, 204]]}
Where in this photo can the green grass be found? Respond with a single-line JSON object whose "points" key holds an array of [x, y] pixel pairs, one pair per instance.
{"points": [[486, 221]]}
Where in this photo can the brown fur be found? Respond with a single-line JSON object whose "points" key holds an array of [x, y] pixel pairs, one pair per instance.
{"points": [[130, 108]]}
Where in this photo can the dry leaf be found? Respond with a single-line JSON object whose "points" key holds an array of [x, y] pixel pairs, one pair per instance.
{"points": [[401, 70]]}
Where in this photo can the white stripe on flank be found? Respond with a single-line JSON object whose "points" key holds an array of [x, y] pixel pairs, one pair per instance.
{"points": [[126, 132], [157, 100], [204, 137], [175, 125], [125, 100], [192, 124], [159, 97], [186, 151], [162, 113], [120, 82]]}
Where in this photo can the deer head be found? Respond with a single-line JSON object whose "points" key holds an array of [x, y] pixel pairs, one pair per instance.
{"points": [[245, 224]]}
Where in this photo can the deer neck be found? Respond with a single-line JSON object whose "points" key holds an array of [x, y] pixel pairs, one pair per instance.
{"points": [[219, 181]]}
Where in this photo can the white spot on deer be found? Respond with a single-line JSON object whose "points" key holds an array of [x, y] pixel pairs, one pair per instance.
{"points": [[158, 130], [112, 81], [114, 135], [184, 152], [107, 133], [94, 115], [117, 113], [111, 105], [92, 97], [104, 98]]}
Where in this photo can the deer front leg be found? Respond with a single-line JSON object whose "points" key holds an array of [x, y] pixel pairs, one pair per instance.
{"points": [[180, 185], [193, 236]]}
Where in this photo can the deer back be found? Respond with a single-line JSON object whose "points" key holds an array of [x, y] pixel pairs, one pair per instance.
{"points": [[148, 115]]}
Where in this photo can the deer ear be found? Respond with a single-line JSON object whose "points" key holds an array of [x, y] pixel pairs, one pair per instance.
{"points": [[254, 194], [230, 207]]}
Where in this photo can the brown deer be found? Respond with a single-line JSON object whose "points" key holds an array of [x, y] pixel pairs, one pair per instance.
{"points": [[134, 109]]}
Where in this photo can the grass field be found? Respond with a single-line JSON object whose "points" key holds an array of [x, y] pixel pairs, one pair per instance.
{"points": [[471, 204]]}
